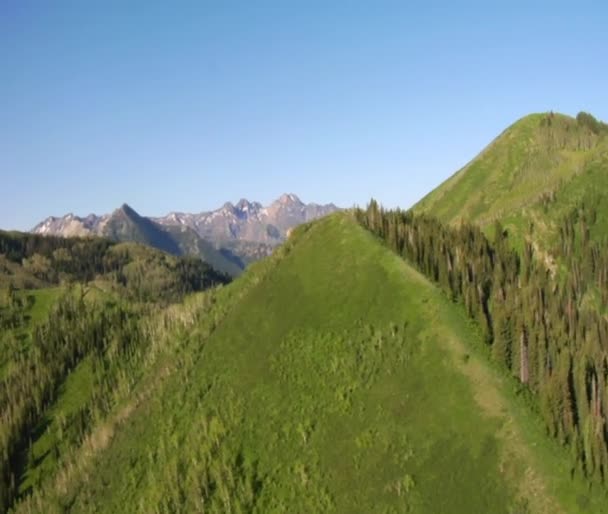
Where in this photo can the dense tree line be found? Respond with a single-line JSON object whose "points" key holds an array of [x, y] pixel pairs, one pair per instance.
{"points": [[588, 120], [158, 277], [82, 257], [141, 273], [547, 328], [13, 307]]}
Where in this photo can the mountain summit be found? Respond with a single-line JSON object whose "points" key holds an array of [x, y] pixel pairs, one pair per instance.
{"points": [[539, 171], [533, 157]]}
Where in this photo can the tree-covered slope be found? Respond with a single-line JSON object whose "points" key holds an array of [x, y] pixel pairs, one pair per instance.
{"points": [[331, 377], [67, 351], [135, 271], [528, 165], [547, 330]]}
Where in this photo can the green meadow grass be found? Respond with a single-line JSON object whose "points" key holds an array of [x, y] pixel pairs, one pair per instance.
{"points": [[508, 179]]}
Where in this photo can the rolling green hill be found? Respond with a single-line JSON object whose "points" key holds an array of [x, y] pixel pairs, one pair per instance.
{"points": [[536, 171], [338, 380]]}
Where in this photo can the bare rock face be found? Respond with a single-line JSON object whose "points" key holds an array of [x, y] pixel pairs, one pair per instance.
{"points": [[250, 221], [71, 226]]}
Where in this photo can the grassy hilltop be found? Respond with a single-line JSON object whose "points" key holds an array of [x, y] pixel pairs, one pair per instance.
{"points": [[537, 171]]}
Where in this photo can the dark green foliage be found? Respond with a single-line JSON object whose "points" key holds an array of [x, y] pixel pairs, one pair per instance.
{"points": [[107, 333], [540, 327], [587, 120], [151, 276], [12, 308], [138, 272], [79, 257], [98, 321], [110, 336]]}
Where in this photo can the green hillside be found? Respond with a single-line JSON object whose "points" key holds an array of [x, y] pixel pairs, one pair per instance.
{"points": [[134, 271], [76, 343], [532, 163], [338, 380]]}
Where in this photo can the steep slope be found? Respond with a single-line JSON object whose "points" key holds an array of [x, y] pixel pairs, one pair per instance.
{"points": [[127, 225], [328, 378], [524, 167], [190, 243]]}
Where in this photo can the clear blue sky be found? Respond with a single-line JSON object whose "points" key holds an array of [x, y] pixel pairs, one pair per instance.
{"points": [[183, 106]]}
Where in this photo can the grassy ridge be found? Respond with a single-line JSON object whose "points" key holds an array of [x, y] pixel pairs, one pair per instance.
{"points": [[321, 381], [529, 162]]}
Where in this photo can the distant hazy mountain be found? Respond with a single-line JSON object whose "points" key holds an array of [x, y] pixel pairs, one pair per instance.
{"points": [[228, 238], [250, 221]]}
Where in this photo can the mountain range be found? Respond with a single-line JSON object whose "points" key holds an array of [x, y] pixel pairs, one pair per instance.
{"points": [[228, 238]]}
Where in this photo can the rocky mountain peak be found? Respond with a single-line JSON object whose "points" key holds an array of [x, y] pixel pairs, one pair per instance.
{"points": [[289, 199], [126, 208]]}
